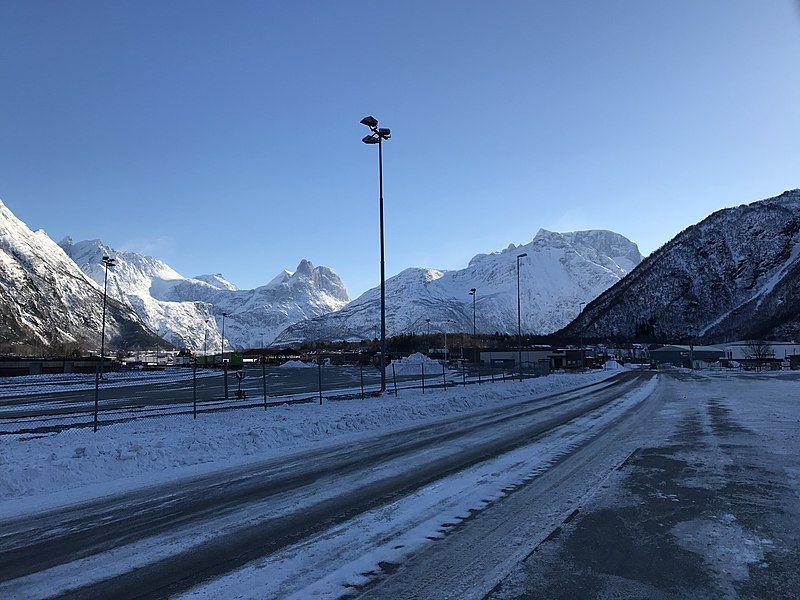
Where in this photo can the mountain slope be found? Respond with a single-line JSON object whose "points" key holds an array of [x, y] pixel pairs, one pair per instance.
{"points": [[132, 281], [560, 271], [734, 275], [188, 311], [45, 299]]}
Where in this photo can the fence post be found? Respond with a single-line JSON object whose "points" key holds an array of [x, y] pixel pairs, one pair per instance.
{"points": [[361, 372], [394, 378], [194, 389], [423, 376], [464, 373], [444, 377], [225, 377], [319, 377], [264, 380]]}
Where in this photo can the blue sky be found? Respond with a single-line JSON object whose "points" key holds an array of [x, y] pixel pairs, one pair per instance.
{"points": [[224, 137]]}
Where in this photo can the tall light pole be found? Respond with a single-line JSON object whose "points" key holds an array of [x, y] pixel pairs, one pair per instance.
{"points": [[377, 136], [222, 343], [474, 293], [519, 318], [580, 335], [108, 262], [222, 357]]}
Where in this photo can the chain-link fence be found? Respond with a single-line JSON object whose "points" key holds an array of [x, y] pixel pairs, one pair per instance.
{"points": [[40, 404]]}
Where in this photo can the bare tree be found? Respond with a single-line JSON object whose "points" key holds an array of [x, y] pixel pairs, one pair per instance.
{"points": [[759, 351]]}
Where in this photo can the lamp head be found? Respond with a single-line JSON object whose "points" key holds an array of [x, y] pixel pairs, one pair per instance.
{"points": [[371, 139], [370, 122]]}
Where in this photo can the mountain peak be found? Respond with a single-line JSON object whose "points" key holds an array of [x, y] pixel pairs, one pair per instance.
{"points": [[304, 267], [217, 280]]}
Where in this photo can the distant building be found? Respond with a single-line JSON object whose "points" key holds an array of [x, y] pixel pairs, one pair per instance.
{"points": [[686, 356], [11, 367], [508, 358]]}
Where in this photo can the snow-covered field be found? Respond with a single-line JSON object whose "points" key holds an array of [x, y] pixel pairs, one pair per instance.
{"points": [[145, 451]]}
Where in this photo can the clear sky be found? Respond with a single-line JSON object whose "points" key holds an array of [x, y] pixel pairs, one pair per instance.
{"points": [[225, 136]]}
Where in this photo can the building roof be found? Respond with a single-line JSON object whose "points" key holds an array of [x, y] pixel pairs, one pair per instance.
{"points": [[682, 348]]}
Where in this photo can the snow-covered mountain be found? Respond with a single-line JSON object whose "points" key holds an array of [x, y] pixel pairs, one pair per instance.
{"points": [[188, 311], [45, 299], [560, 271], [734, 275], [136, 280]]}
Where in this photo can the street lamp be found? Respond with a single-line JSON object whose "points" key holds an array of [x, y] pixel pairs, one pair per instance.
{"points": [[222, 344], [222, 357], [377, 137], [473, 292], [108, 262], [580, 335], [519, 318]]}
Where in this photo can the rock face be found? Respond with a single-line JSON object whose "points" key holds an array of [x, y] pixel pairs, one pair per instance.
{"points": [[188, 311], [46, 300], [734, 275], [560, 271]]}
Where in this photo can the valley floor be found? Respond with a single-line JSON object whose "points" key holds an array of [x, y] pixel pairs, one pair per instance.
{"points": [[633, 483]]}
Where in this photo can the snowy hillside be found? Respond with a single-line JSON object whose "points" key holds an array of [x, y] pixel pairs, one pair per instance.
{"points": [[734, 275], [134, 279], [561, 270], [188, 311], [46, 299]]}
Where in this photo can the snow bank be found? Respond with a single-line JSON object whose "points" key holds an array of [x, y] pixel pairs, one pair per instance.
{"points": [[413, 365], [297, 364], [153, 450]]}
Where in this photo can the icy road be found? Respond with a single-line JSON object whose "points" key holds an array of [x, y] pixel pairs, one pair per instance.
{"points": [[625, 485]]}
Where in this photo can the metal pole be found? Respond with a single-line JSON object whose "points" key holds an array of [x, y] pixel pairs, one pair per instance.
{"points": [[99, 371], [319, 378], [383, 269], [222, 345], [264, 380], [491, 366], [361, 372], [519, 324], [464, 374], [474, 297], [225, 374], [423, 377], [444, 377], [194, 389], [394, 378]]}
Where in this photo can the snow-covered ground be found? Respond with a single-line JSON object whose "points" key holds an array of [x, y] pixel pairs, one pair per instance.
{"points": [[158, 449], [711, 495]]}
